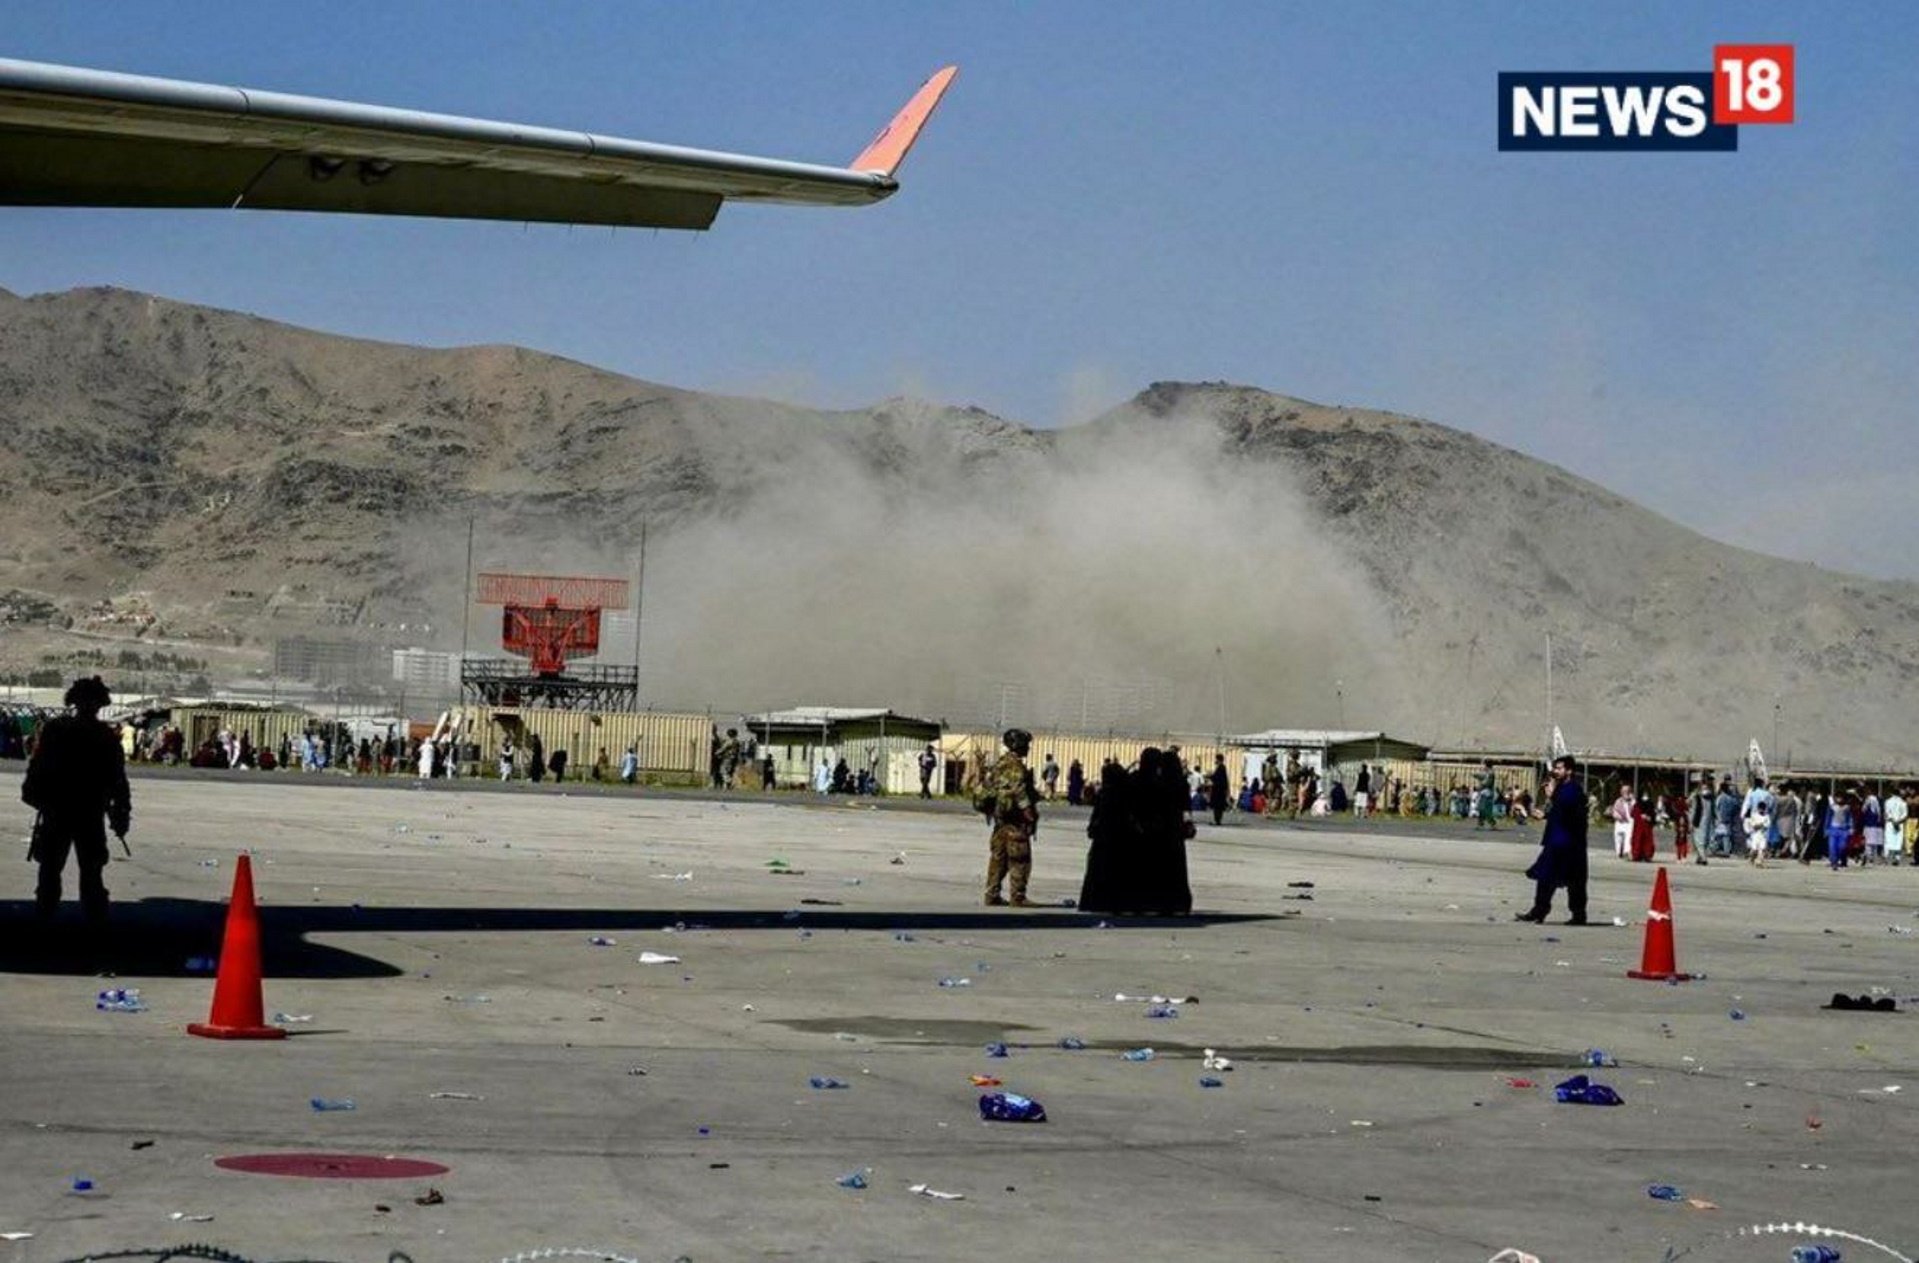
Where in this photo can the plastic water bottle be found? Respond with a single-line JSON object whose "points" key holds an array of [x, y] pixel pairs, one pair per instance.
{"points": [[1139, 1054], [329, 1105], [120, 1000], [956, 982], [1011, 1107], [1815, 1254]]}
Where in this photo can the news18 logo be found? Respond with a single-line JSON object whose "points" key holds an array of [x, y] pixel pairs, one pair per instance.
{"points": [[1623, 110]]}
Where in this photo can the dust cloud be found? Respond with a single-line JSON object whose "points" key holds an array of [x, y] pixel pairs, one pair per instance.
{"points": [[1118, 575]]}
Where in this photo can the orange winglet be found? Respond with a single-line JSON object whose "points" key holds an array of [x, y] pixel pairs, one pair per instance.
{"points": [[889, 148]]}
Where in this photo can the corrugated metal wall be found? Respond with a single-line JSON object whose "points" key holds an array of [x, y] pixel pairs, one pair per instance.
{"points": [[264, 727], [672, 746], [967, 752]]}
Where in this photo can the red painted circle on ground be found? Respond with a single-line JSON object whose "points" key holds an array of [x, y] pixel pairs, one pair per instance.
{"points": [[331, 1166]]}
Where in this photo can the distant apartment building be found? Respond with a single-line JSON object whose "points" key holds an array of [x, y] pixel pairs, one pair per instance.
{"points": [[324, 661], [426, 670]]}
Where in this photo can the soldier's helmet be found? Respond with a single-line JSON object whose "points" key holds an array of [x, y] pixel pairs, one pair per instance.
{"points": [[89, 693], [1018, 740]]}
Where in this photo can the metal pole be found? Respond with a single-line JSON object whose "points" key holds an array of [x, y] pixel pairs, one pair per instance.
{"points": [[1549, 694], [639, 610], [466, 602]]}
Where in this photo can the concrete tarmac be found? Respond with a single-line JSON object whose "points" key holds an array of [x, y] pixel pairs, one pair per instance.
{"points": [[439, 942]]}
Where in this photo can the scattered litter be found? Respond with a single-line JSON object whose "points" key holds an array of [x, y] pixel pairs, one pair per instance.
{"points": [[985, 1081], [292, 1019], [1813, 1122], [432, 1197], [1863, 1004], [1813, 1166], [853, 1179], [1521, 1083], [1700, 1203], [824, 1083], [330, 1105], [202, 964], [1815, 1254], [600, 940], [822, 903], [1899, 929], [901, 936], [1664, 1193], [16, 1236], [657, 958], [846, 1037], [454, 1096], [1208, 1081], [81, 1186], [924, 1191], [1213, 1061], [1597, 1057], [898, 859], [1579, 1090], [1361, 1122], [141, 1144], [1619, 923], [1122, 998], [997, 1050], [1138, 1054], [182, 1217], [1010, 1107], [1300, 885], [1162, 1011], [1510, 1255], [850, 881], [1737, 1015], [956, 982], [468, 999], [673, 877], [1072, 1043], [120, 1000]]}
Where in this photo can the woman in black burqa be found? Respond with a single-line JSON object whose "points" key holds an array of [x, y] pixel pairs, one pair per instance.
{"points": [[1163, 804], [1113, 857]]}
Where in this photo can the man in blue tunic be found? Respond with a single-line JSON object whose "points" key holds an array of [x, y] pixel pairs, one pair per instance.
{"points": [[1562, 851]]}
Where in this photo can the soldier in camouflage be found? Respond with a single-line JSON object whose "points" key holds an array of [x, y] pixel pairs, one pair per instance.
{"points": [[1008, 798]]}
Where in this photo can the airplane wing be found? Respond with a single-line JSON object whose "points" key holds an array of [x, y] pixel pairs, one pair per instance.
{"points": [[77, 137]]}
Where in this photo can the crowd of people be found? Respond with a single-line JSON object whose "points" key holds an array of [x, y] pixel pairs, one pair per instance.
{"points": [[1842, 825]]}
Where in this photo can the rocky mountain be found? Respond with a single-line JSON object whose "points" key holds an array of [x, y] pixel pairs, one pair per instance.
{"points": [[1204, 556]]}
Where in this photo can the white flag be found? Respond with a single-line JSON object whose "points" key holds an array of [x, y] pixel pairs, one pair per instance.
{"points": [[1755, 759], [1559, 742]]}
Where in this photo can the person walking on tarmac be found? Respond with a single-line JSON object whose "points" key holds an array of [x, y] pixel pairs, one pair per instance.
{"points": [[1009, 799], [77, 781], [1562, 850]]}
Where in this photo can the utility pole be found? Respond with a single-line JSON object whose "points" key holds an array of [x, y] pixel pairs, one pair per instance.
{"points": [[1219, 662], [639, 611], [1549, 695]]}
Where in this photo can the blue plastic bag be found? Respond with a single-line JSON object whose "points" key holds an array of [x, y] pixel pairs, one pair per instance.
{"points": [[1579, 1090], [1010, 1107]]}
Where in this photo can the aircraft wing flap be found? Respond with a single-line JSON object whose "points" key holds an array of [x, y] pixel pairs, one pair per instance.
{"points": [[207, 145]]}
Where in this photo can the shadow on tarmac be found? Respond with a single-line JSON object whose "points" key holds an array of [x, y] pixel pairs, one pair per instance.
{"points": [[155, 938]]}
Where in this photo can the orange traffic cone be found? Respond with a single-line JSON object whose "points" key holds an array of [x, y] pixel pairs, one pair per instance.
{"points": [[1659, 961], [238, 1009]]}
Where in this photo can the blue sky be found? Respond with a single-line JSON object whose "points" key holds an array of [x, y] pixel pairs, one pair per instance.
{"points": [[1304, 197]]}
